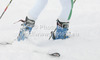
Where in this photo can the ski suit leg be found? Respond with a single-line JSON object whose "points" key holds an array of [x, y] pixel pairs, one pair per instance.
{"points": [[66, 12], [37, 8]]}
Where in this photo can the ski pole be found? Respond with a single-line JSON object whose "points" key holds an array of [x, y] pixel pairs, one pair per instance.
{"points": [[51, 35], [74, 1], [5, 9]]}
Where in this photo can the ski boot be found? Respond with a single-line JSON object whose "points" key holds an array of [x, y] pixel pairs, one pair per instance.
{"points": [[61, 30], [26, 29]]}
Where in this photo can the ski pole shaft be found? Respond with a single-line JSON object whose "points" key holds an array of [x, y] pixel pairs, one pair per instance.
{"points": [[5, 9], [51, 35], [74, 1]]}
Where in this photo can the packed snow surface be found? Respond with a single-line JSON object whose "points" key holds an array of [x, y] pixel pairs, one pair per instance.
{"points": [[84, 44]]}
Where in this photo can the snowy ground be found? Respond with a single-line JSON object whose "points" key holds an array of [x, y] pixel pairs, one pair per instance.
{"points": [[85, 24]]}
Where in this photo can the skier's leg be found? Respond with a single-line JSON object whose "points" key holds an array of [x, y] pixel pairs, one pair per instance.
{"points": [[66, 12], [63, 20], [37, 8], [29, 22]]}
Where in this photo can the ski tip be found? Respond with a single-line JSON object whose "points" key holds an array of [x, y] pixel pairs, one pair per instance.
{"points": [[55, 54]]}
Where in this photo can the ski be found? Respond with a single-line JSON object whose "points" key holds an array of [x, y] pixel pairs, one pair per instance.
{"points": [[54, 54], [5, 43]]}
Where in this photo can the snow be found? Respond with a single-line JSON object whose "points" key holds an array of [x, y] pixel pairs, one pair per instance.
{"points": [[85, 24]]}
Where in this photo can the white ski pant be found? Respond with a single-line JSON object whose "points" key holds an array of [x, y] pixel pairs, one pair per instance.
{"points": [[64, 16]]}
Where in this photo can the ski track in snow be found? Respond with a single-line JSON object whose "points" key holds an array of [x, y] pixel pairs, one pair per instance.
{"points": [[84, 23]]}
